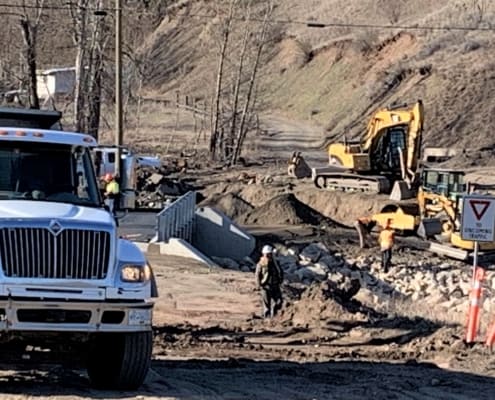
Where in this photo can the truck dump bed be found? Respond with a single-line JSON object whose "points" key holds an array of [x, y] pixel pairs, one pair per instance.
{"points": [[27, 118]]}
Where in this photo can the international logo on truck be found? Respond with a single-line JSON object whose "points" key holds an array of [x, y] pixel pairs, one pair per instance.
{"points": [[55, 227]]}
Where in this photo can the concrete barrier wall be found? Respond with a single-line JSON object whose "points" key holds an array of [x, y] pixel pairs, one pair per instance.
{"points": [[216, 235]]}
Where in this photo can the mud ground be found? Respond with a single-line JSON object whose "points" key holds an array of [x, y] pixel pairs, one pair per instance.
{"points": [[210, 343]]}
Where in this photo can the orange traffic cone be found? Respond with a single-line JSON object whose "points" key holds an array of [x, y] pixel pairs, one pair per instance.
{"points": [[490, 335], [474, 306]]}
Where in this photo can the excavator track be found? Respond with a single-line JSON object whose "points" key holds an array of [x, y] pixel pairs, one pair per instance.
{"points": [[448, 250], [352, 182]]}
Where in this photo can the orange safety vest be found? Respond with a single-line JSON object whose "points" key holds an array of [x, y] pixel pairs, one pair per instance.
{"points": [[386, 239]]}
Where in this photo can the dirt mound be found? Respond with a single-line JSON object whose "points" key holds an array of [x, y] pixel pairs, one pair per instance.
{"points": [[325, 303], [342, 207], [230, 204], [283, 209]]}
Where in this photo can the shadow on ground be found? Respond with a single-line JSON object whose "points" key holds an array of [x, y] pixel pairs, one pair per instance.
{"points": [[249, 379]]}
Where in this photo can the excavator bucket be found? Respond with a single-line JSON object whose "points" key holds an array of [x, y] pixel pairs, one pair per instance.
{"points": [[429, 227], [297, 167], [401, 191]]}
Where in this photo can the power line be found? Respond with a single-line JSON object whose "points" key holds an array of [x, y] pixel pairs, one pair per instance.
{"points": [[65, 6], [309, 24], [317, 24]]}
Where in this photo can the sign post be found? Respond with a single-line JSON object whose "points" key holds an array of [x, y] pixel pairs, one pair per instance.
{"points": [[478, 221], [478, 225]]}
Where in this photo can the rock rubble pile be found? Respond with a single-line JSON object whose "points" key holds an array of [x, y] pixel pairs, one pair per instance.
{"points": [[443, 286], [155, 186]]}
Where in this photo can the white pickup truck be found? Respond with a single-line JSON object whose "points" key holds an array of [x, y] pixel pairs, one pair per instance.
{"points": [[68, 283]]}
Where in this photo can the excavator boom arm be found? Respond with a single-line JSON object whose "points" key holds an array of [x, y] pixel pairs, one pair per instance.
{"points": [[415, 135]]}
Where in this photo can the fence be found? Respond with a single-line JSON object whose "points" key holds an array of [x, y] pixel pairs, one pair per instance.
{"points": [[176, 220]]}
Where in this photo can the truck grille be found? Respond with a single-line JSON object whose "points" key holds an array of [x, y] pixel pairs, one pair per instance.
{"points": [[38, 253]]}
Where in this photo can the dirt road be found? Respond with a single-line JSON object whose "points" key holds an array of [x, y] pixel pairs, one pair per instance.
{"points": [[280, 137], [210, 344]]}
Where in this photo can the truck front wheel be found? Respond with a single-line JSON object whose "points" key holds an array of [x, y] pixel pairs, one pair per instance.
{"points": [[119, 361]]}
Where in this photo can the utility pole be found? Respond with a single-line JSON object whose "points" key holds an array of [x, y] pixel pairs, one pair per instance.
{"points": [[118, 86]]}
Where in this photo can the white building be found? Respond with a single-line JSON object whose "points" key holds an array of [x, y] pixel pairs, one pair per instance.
{"points": [[55, 81]]}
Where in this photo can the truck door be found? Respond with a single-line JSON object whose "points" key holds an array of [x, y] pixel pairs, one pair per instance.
{"points": [[98, 163], [109, 161]]}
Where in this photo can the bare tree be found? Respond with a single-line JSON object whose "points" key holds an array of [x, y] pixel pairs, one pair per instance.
{"points": [[90, 39], [214, 137], [243, 35], [12, 67], [243, 128], [79, 14], [29, 21], [238, 82], [94, 74]]}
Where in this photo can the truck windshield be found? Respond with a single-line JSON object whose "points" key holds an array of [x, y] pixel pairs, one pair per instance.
{"points": [[48, 172]]}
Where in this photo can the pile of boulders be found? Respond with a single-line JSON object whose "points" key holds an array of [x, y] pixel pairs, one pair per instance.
{"points": [[440, 285], [156, 187]]}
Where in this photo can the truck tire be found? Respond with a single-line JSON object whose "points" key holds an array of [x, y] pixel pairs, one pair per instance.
{"points": [[119, 361]]}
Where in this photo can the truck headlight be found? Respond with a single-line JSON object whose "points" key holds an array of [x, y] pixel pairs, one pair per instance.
{"points": [[135, 273]]}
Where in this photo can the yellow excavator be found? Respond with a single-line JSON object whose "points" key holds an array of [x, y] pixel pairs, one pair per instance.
{"points": [[435, 215], [386, 158]]}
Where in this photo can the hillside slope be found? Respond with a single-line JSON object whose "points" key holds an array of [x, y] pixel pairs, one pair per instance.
{"points": [[337, 76]]}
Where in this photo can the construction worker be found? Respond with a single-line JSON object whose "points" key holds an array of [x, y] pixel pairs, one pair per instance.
{"points": [[386, 240], [111, 192], [364, 225], [269, 277]]}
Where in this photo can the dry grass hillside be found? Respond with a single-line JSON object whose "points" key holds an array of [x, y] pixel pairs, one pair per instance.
{"points": [[336, 76]]}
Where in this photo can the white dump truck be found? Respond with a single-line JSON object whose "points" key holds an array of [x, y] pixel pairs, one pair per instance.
{"points": [[68, 284]]}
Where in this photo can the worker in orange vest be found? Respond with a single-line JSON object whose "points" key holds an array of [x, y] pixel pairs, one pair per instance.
{"points": [[364, 225], [386, 241]]}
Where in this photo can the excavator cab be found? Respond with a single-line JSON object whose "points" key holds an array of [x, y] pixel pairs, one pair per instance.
{"points": [[445, 182], [440, 199], [388, 151]]}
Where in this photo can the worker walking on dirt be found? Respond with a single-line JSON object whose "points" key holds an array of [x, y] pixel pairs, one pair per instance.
{"points": [[111, 193], [364, 225], [269, 277], [386, 240]]}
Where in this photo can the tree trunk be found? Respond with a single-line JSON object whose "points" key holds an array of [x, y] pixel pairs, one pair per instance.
{"points": [[94, 78], [29, 36], [94, 105], [216, 110], [241, 136], [80, 89], [237, 87]]}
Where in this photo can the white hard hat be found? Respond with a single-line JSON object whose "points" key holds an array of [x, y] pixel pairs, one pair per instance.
{"points": [[267, 249]]}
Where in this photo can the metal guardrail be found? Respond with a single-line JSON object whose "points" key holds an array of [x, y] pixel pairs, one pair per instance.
{"points": [[176, 220]]}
